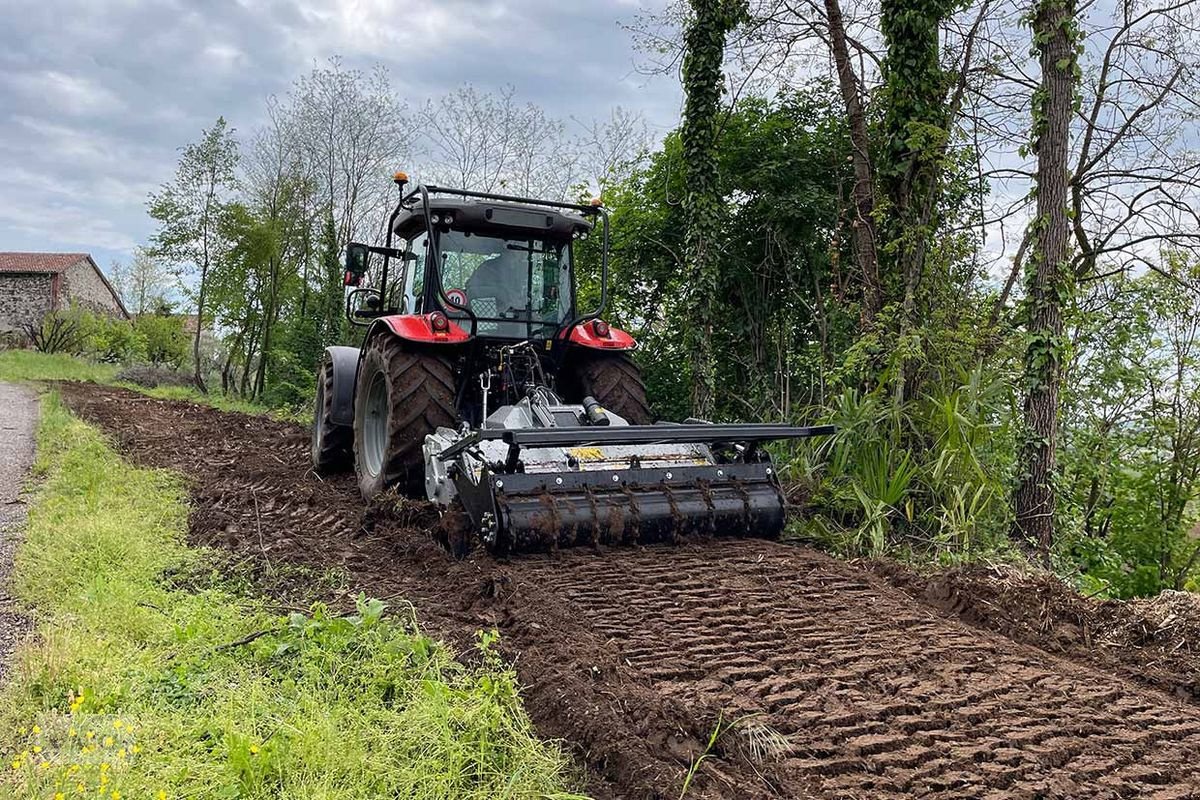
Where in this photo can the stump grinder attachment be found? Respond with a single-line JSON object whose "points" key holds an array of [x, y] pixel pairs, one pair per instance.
{"points": [[541, 474]]}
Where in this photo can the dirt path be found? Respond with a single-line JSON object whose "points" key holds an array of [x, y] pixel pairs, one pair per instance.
{"points": [[843, 685], [17, 423]]}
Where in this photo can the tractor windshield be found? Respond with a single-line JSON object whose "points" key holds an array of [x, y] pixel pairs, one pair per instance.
{"points": [[518, 288]]}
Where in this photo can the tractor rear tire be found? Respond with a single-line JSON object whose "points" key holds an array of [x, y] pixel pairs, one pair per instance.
{"points": [[403, 395], [615, 380], [332, 444]]}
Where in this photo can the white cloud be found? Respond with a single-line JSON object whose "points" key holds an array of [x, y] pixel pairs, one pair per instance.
{"points": [[72, 94]]}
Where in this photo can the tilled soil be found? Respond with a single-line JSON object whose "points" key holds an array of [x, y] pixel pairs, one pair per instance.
{"points": [[837, 683]]}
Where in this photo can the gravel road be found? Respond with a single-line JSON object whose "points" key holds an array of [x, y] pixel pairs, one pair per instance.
{"points": [[17, 423]]}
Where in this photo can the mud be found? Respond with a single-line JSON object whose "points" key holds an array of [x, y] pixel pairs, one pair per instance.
{"points": [[837, 681]]}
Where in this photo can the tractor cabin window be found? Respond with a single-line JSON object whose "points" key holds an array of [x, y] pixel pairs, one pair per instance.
{"points": [[414, 278], [516, 287]]}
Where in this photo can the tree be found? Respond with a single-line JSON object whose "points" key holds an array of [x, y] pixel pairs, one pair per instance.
{"points": [[188, 209], [1049, 282], [863, 223], [351, 132], [142, 283], [702, 84]]}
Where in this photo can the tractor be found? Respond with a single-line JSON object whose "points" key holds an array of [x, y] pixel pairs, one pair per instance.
{"points": [[481, 386]]}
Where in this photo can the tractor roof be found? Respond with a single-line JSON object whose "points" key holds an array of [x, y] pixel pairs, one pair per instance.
{"points": [[495, 217]]}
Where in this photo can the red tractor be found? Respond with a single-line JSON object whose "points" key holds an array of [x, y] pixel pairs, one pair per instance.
{"points": [[480, 384]]}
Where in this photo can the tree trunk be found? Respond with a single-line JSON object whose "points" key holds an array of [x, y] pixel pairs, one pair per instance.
{"points": [[1049, 276], [864, 183], [704, 56]]}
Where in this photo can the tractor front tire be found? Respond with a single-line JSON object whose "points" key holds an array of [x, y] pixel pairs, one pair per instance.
{"points": [[615, 380], [403, 395], [332, 444]]}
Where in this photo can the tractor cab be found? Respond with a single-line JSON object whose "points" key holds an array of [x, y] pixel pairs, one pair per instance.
{"points": [[518, 283], [482, 266]]}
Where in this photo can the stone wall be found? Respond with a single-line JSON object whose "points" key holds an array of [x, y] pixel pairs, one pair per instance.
{"points": [[82, 286], [24, 298]]}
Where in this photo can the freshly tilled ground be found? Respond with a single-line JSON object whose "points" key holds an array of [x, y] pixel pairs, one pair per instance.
{"points": [[834, 682]]}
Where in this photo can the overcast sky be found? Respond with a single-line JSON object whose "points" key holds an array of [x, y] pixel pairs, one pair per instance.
{"points": [[96, 96]]}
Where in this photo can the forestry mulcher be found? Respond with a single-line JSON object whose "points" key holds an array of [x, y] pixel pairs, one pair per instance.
{"points": [[481, 386]]}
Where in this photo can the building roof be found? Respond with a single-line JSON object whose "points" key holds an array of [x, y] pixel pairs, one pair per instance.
{"points": [[39, 262], [55, 264]]}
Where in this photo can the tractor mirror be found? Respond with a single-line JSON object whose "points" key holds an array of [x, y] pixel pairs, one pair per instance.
{"points": [[358, 261]]}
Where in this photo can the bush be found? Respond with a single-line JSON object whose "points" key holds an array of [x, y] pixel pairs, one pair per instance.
{"points": [[162, 338], [57, 332], [153, 376], [107, 338]]}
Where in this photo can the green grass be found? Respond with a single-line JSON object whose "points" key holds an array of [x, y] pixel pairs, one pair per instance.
{"points": [[29, 365], [133, 688]]}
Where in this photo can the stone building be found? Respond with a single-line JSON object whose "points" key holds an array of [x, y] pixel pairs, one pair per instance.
{"points": [[31, 284]]}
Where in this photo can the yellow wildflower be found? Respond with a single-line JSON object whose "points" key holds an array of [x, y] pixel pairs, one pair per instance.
{"points": [[59, 796], [121, 753], [254, 749], [36, 730], [37, 748], [91, 735], [16, 764], [44, 765], [117, 724], [162, 795], [104, 767], [70, 733], [108, 741], [137, 749], [116, 795]]}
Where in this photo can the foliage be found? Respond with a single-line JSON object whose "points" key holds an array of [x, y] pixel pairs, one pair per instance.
{"points": [[779, 315], [703, 83], [188, 209], [108, 338], [161, 338], [139, 688], [928, 476]]}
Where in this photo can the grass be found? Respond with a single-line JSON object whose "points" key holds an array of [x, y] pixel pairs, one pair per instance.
{"points": [[29, 365], [135, 687]]}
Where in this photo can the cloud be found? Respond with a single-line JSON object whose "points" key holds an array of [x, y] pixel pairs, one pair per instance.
{"points": [[97, 96]]}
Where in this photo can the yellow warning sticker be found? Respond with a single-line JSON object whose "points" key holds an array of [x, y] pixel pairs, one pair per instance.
{"points": [[587, 453]]}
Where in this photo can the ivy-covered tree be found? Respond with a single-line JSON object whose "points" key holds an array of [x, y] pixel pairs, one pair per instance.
{"points": [[703, 84], [1049, 282]]}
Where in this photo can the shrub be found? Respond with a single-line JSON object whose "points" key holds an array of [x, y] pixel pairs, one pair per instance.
{"points": [[163, 340], [56, 332], [152, 376], [107, 338]]}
